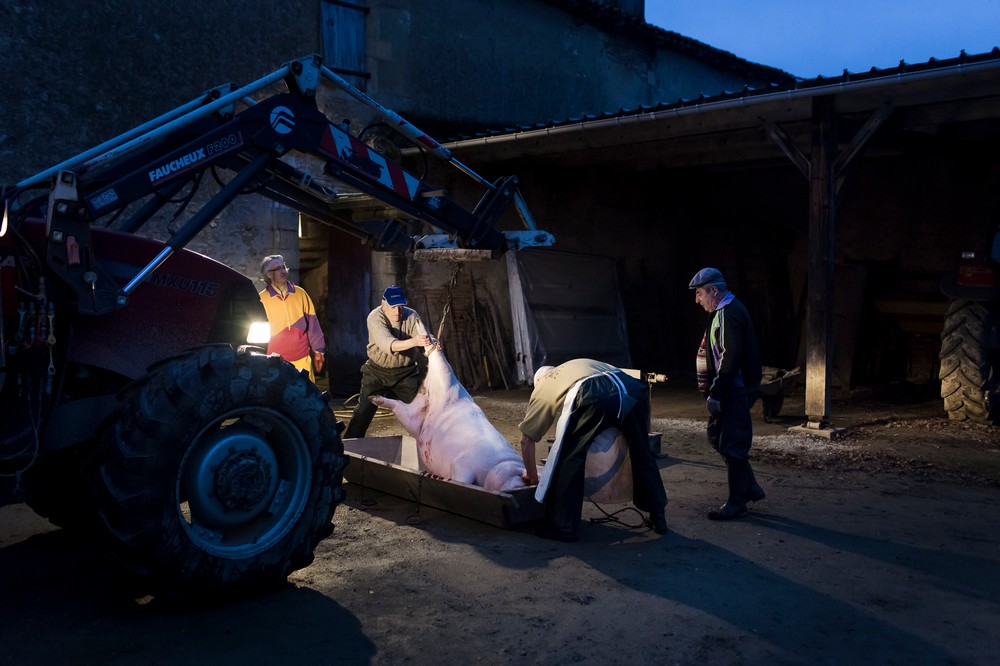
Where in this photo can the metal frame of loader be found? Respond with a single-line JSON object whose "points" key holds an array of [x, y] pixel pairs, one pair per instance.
{"points": [[213, 468], [208, 132]]}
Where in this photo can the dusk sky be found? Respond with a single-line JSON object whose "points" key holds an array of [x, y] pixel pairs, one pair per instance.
{"points": [[809, 38]]}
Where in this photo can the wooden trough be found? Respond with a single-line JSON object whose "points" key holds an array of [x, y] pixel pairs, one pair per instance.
{"points": [[391, 465]]}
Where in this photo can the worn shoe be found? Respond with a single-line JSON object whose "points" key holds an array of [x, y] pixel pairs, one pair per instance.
{"points": [[550, 532], [728, 511], [656, 523], [756, 494]]}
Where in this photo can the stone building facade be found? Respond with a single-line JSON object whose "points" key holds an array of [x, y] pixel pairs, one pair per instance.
{"points": [[73, 79]]}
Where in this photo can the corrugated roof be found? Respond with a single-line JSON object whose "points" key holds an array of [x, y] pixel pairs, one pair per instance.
{"points": [[747, 92]]}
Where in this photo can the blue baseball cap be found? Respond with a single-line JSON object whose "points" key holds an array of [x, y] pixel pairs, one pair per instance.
{"points": [[394, 296]]}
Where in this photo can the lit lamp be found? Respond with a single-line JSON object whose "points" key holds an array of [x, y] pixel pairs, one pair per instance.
{"points": [[259, 334]]}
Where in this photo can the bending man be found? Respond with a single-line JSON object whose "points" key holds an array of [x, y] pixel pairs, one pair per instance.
{"points": [[587, 397]]}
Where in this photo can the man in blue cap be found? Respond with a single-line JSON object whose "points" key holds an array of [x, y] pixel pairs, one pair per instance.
{"points": [[396, 338], [729, 373]]}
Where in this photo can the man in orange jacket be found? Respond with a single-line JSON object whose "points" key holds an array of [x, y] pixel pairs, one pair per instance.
{"points": [[296, 335]]}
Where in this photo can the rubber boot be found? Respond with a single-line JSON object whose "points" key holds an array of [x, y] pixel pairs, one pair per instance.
{"points": [[735, 506], [754, 493], [562, 518], [656, 522]]}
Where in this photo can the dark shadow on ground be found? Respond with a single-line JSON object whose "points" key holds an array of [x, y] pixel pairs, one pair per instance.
{"points": [[64, 602], [948, 570], [801, 624]]}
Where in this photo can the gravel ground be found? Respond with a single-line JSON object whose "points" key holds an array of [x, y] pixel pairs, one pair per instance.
{"points": [[878, 546]]}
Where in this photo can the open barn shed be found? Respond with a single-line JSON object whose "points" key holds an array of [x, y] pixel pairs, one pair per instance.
{"points": [[835, 207]]}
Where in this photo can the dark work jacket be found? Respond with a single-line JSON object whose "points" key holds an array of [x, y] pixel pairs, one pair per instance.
{"points": [[739, 370]]}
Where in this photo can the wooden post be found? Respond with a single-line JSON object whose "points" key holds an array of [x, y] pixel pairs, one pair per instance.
{"points": [[822, 248], [825, 170]]}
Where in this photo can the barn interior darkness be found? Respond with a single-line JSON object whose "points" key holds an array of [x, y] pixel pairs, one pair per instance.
{"points": [[906, 210]]}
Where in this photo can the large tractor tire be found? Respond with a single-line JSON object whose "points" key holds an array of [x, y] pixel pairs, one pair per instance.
{"points": [[966, 370], [220, 473]]}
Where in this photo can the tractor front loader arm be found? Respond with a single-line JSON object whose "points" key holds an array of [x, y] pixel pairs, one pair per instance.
{"points": [[225, 130]]}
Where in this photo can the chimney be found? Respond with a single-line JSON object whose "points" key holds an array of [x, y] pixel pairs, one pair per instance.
{"points": [[636, 8]]}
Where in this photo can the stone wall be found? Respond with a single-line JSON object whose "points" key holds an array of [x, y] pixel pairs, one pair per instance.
{"points": [[487, 64], [73, 76]]}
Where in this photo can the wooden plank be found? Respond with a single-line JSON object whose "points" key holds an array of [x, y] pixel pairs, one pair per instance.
{"points": [[387, 465]]}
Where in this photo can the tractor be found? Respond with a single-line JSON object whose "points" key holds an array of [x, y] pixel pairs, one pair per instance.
{"points": [[133, 402]]}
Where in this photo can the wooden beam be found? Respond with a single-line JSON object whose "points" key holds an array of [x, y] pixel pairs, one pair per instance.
{"points": [[860, 140], [787, 145]]}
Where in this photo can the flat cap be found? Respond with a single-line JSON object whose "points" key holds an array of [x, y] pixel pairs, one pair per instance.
{"points": [[707, 276]]}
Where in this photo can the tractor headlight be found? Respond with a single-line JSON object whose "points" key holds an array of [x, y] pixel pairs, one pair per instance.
{"points": [[259, 334]]}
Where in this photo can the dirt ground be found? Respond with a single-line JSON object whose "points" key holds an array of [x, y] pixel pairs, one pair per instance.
{"points": [[881, 546]]}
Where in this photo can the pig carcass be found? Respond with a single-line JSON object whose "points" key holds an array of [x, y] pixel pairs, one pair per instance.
{"points": [[455, 440]]}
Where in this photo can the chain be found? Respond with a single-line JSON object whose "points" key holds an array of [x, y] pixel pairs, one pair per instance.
{"points": [[415, 518], [365, 500], [447, 304]]}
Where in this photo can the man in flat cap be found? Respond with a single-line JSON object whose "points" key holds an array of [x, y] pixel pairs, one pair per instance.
{"points": [[396, 338], [729, 373]]}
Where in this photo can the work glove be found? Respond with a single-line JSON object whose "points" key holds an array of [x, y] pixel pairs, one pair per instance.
{"points": [[318, 359]]}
